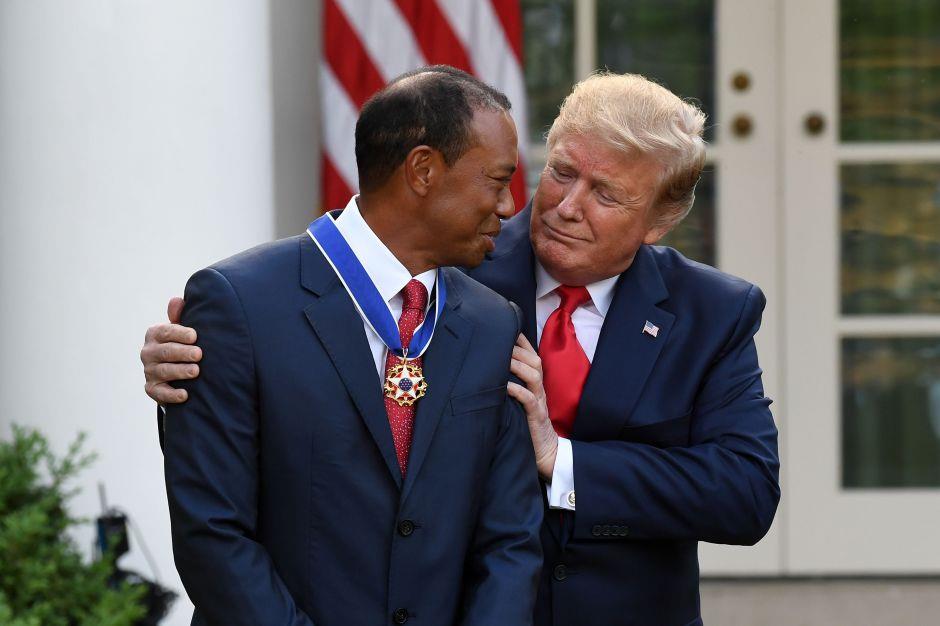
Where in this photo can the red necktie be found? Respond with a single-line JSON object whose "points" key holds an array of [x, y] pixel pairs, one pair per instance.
{"points": [[402, 418], [564, 365]]}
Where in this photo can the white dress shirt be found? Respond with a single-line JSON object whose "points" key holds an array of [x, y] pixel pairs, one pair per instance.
{"points": [[385, 270], [588, 320]]}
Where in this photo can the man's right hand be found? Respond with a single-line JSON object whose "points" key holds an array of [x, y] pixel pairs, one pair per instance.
{"points": [[169, 355]]}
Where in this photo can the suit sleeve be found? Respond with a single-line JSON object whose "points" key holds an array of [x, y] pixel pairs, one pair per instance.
{"points": [[722, 488], [505, 558], [211, 470]]}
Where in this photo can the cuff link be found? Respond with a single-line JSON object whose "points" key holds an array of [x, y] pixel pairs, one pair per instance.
{"points": [[570, 498]]}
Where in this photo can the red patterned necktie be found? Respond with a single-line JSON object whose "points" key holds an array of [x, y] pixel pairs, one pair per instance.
{"points": [[402, 418], [564, 365]]}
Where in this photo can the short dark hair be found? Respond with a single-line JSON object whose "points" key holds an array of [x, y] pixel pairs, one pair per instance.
{"points": [[430, 106]]}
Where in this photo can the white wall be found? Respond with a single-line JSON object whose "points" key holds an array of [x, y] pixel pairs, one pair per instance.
{"points": [[138, 142]]}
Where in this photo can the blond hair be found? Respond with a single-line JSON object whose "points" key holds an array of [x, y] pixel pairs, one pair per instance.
{"points": [[636, 115]]}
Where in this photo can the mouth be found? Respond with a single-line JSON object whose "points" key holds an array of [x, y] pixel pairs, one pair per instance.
{"points": [[490, 239]]}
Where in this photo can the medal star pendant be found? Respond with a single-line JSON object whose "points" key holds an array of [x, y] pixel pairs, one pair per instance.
{"points": [[405, 383]]}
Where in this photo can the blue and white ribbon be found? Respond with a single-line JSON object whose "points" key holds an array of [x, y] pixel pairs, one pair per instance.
{"points": [[373, 308]]}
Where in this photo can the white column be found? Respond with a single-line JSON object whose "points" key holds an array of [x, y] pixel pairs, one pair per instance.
{"points": [[135, 148]]}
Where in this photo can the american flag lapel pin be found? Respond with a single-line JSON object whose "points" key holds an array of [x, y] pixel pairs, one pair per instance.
{"points": [[651, 329]]}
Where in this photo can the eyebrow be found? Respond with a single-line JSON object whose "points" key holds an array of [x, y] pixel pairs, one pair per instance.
{"points": [[497, 172], [606, 183]]}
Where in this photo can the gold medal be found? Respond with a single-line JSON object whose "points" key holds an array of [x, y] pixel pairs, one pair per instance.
{"points": [[405, 383]]}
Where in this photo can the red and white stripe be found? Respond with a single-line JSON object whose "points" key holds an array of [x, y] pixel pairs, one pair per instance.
{"points": [[367, 44]]}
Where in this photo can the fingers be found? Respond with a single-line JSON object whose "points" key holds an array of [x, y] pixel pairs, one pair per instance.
{"points": [[153, 353], [167, 333], [158, 373], [531, 376], [527, 356], [174, 310], [523, 343], [523, 396], [164, 394]]}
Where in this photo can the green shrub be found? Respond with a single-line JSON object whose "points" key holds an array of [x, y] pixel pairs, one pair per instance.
{"points": [[43, 578]]}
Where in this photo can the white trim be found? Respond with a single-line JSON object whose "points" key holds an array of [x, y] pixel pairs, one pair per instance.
{"points": [[585, 38], [893, 152], [889, 326]]}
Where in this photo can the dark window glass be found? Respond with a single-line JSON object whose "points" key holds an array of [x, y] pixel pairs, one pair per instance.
{"points": [[669, 41], [695, 236], [549, 61], [891, 412], [889, 70], [890, 238]]}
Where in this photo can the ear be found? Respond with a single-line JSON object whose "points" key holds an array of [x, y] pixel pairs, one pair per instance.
{"points": [[423, 167], [655, 233]]}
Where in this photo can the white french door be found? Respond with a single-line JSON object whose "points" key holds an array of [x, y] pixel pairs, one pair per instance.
{"points": [[861, 224]]}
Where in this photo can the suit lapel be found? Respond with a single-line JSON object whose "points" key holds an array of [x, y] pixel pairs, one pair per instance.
{"points": [[339, 328], [441, 363], [510, 271], [625, 354]]}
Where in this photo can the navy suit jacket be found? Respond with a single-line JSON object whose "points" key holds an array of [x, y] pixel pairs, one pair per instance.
{"points": [[286, 499], [673, 441]]}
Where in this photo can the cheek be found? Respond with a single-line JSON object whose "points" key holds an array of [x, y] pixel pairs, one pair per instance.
{"points": [[548, 194], [619, 236]]}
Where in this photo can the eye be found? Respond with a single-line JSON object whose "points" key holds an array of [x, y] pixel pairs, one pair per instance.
{"points": [[606, 198], [560, 175]]}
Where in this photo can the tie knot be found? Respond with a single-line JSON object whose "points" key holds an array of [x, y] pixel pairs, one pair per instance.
{"points": [[572, 297], [414, 296]]}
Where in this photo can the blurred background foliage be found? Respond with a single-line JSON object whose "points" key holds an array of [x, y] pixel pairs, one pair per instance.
{"points": [[44, 581]]}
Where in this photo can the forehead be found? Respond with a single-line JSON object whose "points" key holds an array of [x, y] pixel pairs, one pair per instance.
{"points": [[596, 158], [495, 139]]}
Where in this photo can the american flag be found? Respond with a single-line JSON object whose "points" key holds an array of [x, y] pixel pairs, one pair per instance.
{"points": [[369, 42], [650, 329]]}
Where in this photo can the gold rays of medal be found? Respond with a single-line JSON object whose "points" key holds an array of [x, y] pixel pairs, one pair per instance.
{"points": [[405, 383]]}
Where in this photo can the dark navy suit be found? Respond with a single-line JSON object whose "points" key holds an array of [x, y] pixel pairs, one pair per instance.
{"points": [[673, 442], [286, 498]]}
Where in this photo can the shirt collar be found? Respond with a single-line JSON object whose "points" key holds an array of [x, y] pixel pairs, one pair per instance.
{"points": [[602, 291], [383, 267]]}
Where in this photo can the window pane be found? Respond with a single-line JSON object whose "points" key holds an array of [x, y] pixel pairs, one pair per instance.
{"points": [[891, 412], [695, 235], [549, 60], [669, 41], [890, 70], [890, 238]]}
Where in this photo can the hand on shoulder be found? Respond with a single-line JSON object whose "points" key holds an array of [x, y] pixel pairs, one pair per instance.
{"points": [[169, 354]]}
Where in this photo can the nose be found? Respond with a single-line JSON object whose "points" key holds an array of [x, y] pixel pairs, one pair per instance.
{"points": [[505, 206], [570, 207]]}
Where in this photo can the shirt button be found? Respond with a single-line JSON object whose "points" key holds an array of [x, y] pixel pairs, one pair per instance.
{"points": [[400, 616], [560, 572], [570, 498], [406, 527]]}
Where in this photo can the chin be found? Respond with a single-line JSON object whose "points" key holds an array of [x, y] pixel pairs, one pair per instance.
{"points": [[562, 264], [468, 259]]}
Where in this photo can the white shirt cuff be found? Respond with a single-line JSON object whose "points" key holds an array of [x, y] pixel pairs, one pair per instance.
{"points": [[561, 490]]}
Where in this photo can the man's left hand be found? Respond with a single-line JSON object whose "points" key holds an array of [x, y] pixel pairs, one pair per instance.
{"points": [[527, 365]]}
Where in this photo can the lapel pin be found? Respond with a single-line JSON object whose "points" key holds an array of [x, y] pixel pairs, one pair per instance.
{"points": [[651, 329]]}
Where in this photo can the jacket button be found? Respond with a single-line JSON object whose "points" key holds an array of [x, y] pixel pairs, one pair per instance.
{"points": [[400, 616], [406, 527], [560, 572], [596, 530]]}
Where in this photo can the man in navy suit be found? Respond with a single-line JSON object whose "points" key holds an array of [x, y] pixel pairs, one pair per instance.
{"points": [[644, 400], [298, 493]]}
